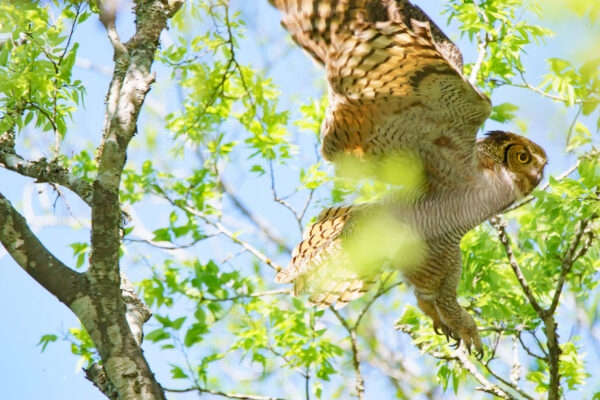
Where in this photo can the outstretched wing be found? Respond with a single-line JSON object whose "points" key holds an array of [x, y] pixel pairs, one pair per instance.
{"points": [[395, 84], [321, 267]]}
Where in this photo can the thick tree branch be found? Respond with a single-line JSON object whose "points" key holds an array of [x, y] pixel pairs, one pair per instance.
{"points": [[105, 312], [26, 249], [43, 170], [97, 375]]}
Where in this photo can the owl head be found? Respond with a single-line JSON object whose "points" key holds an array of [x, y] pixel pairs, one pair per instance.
{"points": [[521, 157]]}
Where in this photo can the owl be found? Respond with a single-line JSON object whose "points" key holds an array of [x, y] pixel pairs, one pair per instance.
{"points": [[398, 105]]}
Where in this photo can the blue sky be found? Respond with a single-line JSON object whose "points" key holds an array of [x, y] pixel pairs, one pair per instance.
{"points": [[28, 311]]}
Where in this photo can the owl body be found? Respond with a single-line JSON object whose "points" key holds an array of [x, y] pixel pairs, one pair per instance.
{"points": [[400, 111]]}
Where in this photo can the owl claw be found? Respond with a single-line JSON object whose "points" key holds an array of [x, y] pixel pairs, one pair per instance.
{"points": [[479, 354], [456, 344]]}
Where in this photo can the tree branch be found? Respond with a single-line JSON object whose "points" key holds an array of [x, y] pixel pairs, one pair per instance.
{"points": [[222, 229], [462, 359], [250, 295], [482, 51], [488, 386], [545, 186], [360, 382], [105, 312], [500, 226], [26, 249], [50, 172], [223, 394], [549, 322], [382, 290], [262, 225], [570, 258]]}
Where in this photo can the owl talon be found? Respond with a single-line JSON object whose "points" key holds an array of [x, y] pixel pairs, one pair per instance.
{"points": [[479, 354], [456, 344]]}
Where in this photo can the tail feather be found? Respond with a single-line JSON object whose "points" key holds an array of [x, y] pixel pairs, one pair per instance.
{"points": [[321, 267], [342, 294], [321, 242]]}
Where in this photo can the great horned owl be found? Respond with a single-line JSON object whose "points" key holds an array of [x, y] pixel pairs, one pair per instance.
{"points": [[396, 90]]}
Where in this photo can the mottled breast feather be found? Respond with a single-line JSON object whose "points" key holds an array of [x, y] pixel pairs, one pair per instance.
{"points": [[395, 85]]}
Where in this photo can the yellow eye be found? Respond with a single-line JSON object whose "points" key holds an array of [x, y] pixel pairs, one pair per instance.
{"points": [[523, 157]]}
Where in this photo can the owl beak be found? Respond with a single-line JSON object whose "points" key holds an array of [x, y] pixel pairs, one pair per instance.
{"points": [[534, 178]]}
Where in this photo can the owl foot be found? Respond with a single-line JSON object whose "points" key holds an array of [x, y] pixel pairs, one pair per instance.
{"points": [[451, 320], [442, 329], [462, 328]]}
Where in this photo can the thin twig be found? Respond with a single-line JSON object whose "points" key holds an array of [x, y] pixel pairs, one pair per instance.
{"points": [[280, 200], [223, 230], [529, 351], [539, 343], [239, 396], [260, 223], [527, 85], [488, 386], [572, 126], [251, 295], [500, 225], [382, 290], [360, 382], [570, 258], [460, 356], [505, 382], [545, 186], [161, 246]]}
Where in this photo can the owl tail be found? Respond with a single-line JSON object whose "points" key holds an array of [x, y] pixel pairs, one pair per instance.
{"points": [[321, 267]]}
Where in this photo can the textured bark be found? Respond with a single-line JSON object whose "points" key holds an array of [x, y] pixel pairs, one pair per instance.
{"points": [[105, 303], [26, 249], [47, 171], [104, 311]]}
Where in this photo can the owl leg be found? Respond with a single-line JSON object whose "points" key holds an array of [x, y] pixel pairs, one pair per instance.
{"points": [[427, 305], [460, 322]]}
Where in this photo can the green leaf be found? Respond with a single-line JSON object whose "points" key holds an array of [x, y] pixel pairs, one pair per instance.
{"points": [[47, 339], [589, 171], [580, 137], [177, 372], [4, 52], [157, 335], [503, 112], [590, 69]]}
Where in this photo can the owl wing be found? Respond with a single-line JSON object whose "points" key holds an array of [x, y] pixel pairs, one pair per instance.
{"points": [[395, 85], [321, 267]]}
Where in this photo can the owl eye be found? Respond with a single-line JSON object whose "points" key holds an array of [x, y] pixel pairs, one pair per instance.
{"points": [[523, 157]]}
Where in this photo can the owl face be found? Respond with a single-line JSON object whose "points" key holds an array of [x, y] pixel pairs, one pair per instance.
{"points": [[518, 155], [525, 163]]}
